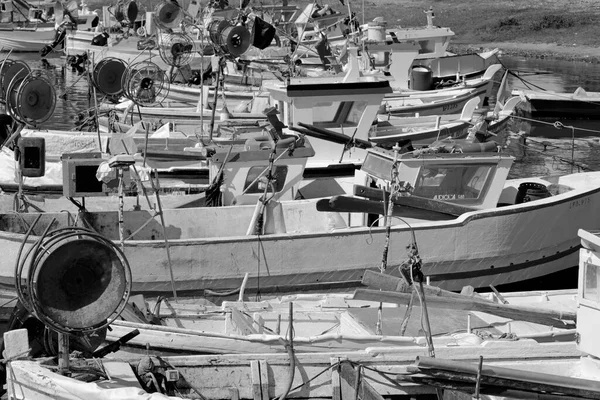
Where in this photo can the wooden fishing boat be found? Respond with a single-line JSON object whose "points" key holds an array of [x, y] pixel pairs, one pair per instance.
{"points": [[295, 373], [473, 225], [580, 104], [421, 131], [30, 38]]}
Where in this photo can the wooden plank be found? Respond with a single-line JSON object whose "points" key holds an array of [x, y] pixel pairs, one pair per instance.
{"points": [[509, 378], [350, 376], [355, 204], [413, 201], [260, 380], [519, 313], [121, 372], [377, 280], [336, 393]]}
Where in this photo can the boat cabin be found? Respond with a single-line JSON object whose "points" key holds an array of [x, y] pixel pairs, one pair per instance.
{"points": [[474, 180], [346, 106], [248, 173]]}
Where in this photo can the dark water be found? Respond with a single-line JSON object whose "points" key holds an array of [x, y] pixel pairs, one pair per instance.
{"points": [[546, 150]]}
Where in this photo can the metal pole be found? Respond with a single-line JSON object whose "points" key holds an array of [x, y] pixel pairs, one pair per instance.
{"points": [[63, 353], [121, 207]]}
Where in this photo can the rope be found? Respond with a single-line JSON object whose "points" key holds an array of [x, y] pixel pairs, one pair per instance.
{"points": [[556, 124]]}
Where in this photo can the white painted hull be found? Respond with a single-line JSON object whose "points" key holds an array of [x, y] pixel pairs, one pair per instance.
{"points": [[209, 248], [25, 40], [79, 42]]}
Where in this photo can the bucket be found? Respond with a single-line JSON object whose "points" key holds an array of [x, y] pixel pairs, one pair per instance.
{"points": [[376, 31], [530, 191], [421, 78]]}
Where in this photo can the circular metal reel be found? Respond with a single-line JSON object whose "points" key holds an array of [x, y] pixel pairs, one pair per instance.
{"points": [[107, 76], [176, 49], [168, 15], [126, 11], [31, 99], [232, 39], [74, 280], [146, 84], [80, 284], [12, 69]]}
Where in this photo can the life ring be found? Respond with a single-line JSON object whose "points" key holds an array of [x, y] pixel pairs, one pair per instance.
{"points": [[141, 31]]}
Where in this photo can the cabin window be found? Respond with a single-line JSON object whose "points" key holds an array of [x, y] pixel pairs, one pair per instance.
{"points": [[454, 183], [338, 113], [279, 176], [591, 277]]}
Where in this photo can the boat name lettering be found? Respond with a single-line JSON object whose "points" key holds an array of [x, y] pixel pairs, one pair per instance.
{"points": [[580, 202], [447, 107], [448, 196]]}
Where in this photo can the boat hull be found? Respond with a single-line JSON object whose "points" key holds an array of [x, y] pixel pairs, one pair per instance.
{"points": [[25, 40], [480, 248]]}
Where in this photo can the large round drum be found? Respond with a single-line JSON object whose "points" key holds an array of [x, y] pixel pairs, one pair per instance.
{"points": [[108, 76], [30, 99], [12, 70]]}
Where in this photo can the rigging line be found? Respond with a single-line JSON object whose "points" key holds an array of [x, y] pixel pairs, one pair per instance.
{"points": [[557, 158], [556, 124]]}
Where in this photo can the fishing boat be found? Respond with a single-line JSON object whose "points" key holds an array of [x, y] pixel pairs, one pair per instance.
{"points": [[574, 378], [579, 104], [377, 41], [473, 225], [423, 130], [24, 27], [112, 373]]}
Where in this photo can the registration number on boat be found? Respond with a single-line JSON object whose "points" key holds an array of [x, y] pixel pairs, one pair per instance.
{"points": [[448, 107], [580, 202]]}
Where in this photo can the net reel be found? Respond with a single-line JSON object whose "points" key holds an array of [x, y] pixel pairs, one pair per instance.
{"points": [[145, 84], [30, 98], [107, 76], [125, 11], [176, 49], [10, 70], [231, 39], [74, 280], [168, 15]]}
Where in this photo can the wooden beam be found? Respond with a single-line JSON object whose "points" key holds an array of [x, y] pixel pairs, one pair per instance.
{"points": [[260, 380], [377, 280], [509, 378], [349, 377], [413, 201], [519, 313], [358, 205], [336, 391]]}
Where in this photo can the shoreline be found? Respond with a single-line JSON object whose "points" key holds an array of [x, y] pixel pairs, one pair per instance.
{"points": [[576, 53]]}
